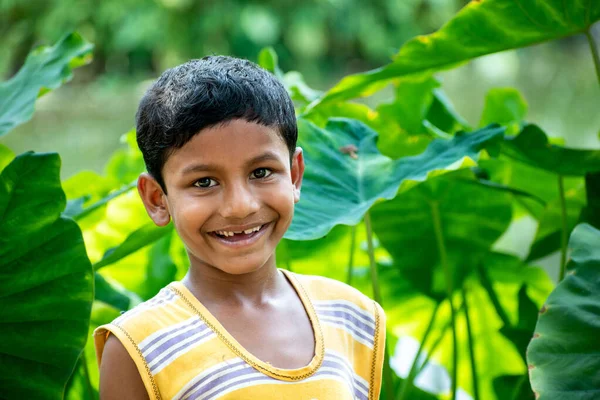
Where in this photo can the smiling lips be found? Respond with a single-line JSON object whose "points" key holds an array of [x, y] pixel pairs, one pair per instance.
{"points": [[231, 233], [239, 238]]}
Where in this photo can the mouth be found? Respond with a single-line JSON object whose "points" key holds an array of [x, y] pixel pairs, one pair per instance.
{"points": [[240, 238]]}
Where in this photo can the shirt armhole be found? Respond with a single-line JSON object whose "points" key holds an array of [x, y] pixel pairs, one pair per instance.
{"points": [[378, 352], [101, 336]]}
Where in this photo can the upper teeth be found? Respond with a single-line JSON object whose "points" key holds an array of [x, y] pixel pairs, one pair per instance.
{"points": [[247, 231]]}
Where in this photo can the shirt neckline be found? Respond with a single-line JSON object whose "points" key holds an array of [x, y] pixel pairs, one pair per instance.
{"points": [[240, 351]]}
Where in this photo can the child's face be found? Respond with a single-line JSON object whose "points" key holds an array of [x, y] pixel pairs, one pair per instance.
{"points": [[229, 178]]}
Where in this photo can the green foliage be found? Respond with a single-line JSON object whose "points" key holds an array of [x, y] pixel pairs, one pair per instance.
{"points": [[46, 286], [452, 221], [563, 354], [46, 69], [481, 27], [346, 174]]}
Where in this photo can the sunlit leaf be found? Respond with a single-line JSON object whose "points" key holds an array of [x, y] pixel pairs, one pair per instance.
{"points": [[46, 288], [6, 156], [346, 174], [505, 106], [160, 270], [267, 58], [480, 28], [563, 355], [140, 238], [45, 69]]}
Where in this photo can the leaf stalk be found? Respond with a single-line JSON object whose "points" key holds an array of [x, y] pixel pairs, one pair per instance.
{"points": [[564, 230], [474, 374], [439, 236], [387, 372], [415, 368], [351, 258], [594, 50]]}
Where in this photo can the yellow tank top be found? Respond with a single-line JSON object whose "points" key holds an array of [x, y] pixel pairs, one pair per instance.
{"points": [[182, 352]]}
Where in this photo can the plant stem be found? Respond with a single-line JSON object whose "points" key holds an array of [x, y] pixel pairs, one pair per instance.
{"points": [[387, 372], [439, 236], [373, 264], [414, 368], [594, 49], [351, 257], [471, 347], [563, 233], [437, 342]]}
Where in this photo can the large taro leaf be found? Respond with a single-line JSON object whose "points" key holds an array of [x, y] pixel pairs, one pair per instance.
{"points": [[45, 69], [442, 220], [346, 174], [46, 281], [563, 355], [480, 28]]}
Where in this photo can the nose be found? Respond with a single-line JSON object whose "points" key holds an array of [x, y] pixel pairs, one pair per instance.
{"points": [[238, 202]]}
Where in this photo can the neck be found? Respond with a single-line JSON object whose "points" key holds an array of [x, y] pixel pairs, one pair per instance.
{"points": [[211, 285]]}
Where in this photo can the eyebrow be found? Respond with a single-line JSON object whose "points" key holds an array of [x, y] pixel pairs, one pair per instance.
{"points": [[268, 156]]}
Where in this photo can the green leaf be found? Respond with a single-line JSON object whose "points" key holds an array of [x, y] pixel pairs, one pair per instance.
{"points": [[480, 28], [395, 141], [591, 212], [339, 189], [413, 100], [140, 238], [531, 146], [547, 237], [513, 387], [504, 106], [119, 298], [161, 270], [45, 69], [467, 217], [563, 354], [6, 156], [267, 58], [521, 332], [443, 115], [46, 285], [126, 165]]}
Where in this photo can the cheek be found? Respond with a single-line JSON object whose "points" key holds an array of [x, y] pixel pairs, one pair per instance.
{"points": [[282, 200], [190, 213]]}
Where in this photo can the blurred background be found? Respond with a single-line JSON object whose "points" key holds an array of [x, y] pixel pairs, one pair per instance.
{"points": [[135, 40]]}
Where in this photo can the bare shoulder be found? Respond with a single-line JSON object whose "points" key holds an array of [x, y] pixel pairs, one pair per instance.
{"points": [[119, 377]]}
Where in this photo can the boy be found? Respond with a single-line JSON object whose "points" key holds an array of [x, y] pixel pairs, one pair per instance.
{"points": [[218, 136]]}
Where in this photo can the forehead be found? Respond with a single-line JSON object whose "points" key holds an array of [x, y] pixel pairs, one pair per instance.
{"points": [[231, 143]]}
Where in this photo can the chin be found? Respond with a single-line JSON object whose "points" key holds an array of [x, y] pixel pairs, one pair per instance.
{"points": [[241, 265]]}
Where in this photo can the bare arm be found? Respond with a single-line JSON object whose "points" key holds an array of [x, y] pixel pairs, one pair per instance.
{"points": [[119, 377]]}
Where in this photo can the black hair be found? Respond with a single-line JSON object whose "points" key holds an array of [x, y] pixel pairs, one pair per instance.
{"points": [[205, 93]]}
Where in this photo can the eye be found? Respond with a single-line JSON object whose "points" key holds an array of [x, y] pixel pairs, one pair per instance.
{"points": [[261, 173], [205, 183]]}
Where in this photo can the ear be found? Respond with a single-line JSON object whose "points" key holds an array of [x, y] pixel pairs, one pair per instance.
{"points": [[154, 199], [297, 172]]}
